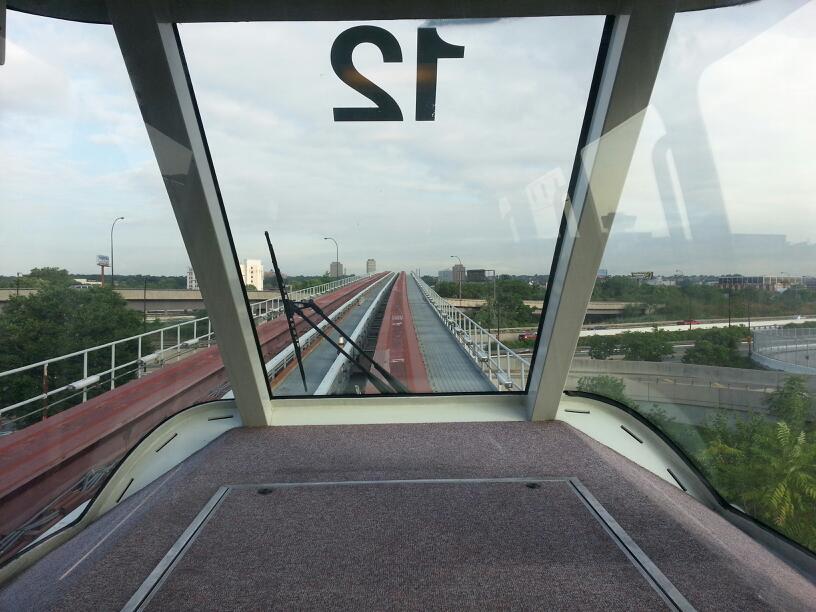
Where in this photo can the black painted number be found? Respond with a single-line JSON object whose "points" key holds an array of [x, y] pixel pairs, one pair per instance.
{"points": [[387, 109], [430, 48]]}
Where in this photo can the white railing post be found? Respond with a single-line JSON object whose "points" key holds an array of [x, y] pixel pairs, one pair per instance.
{"points": [[85, 375], [113, 366]]}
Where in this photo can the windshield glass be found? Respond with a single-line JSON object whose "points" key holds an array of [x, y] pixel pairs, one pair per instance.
{"points": [[424, 224], [704, 316]]}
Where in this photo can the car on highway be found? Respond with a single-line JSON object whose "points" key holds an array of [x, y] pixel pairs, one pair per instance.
{"points": [[528, 335], [689, 322]]}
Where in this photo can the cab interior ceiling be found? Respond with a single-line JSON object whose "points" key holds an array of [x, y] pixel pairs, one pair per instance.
{"points": [[179, 11]]}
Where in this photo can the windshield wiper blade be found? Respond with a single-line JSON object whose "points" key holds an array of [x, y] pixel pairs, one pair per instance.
{"points": [[390, 379], [291, 307], [288, 311]]}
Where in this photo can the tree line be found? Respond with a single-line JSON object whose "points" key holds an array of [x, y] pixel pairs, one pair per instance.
{"points": [[763, 464]]}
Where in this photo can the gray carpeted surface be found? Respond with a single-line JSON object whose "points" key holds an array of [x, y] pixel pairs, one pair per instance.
{"points": [[405, 546], [713, 564]]}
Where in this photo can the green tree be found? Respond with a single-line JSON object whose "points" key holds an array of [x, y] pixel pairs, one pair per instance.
{"points": [[608, 386], [601, 347], [645, 346], [793, 403], [718, 347], [52, 277], [55, 321], [768, 469]]}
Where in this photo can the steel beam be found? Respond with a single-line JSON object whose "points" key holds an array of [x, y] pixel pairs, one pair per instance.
{"points": [[155, 63], [622, 85]]}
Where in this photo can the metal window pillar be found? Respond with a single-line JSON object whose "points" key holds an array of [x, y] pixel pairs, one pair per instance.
{"points": [[155, 63], [623, 84]]}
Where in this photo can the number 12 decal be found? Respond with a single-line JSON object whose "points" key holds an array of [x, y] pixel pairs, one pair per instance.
{"points": [[430, 48]]}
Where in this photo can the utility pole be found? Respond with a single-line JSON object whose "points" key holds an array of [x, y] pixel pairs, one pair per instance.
{"points": [[495, 303], [18, 283]]}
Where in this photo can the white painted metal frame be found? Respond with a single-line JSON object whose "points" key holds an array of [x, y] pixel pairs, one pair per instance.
{"points": [[624, 80], [155, 63]]}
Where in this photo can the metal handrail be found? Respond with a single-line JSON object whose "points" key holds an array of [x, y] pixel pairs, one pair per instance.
{"points": [[505, 368], [267, 309]]}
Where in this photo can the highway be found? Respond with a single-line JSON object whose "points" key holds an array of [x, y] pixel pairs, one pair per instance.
{"points": [[610, 330]]}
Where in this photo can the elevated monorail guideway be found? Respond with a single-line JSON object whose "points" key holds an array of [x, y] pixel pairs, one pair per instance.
{"points": [[451, 368], [318, 355]]}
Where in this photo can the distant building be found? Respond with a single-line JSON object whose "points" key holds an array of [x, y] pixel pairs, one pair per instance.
{"points": [[87, 283], [371, 266], [661, 281], [459, 273], [253, 273], [642, 276], [767, 283], [336, 269], [445, 276], [192, 283], [476, 276]]}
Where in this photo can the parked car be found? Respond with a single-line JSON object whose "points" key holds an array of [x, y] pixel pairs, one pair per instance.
{"points": [[528, 335], [689, 322]]}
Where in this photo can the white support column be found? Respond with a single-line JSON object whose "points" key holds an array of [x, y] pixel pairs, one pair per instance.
{"points": [[155, 63], [622, 87]]}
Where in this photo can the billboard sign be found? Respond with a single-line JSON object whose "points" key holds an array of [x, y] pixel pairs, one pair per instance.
{"points": [[103, 260]]}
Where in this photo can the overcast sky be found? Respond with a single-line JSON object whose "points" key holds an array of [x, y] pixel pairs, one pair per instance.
{"points": [[727, 147]]}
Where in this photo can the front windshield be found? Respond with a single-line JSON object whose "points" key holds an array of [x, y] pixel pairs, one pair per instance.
{"points": [[424, 226]]}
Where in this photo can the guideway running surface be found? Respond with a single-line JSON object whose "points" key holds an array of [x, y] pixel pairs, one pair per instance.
{"points": [[318, 360], [397, 345], [450, 369]]}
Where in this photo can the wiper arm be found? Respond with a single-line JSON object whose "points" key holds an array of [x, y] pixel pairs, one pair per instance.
{"points": [[391, 384], [288, 311], [292, 307]]}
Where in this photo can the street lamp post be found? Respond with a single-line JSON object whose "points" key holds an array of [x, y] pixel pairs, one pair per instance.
{"points": [[495, 303], [336, 255], [460, 278], [113, 282]]}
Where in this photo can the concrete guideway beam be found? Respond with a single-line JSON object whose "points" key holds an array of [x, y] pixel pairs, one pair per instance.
{"points": [[339, 370], [398, 346]]}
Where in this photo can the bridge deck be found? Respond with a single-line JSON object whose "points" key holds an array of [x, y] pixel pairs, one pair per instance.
{"points": [[450, 369]]}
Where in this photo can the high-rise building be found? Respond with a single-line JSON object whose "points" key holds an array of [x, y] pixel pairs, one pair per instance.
{"points": [[253, 273], [371, 266], [459, 273], [192, 283], [445, 276], [336, 269]]}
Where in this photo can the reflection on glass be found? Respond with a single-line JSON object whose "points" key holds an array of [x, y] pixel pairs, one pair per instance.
{"points": [[99, 337], [425, 229], [702, 316]]}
